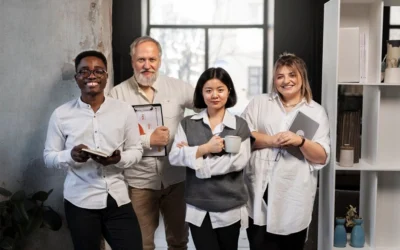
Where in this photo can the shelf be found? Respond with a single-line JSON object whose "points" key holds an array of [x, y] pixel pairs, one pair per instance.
{"points": [[368, 84], [358, 1], [366, 247], [364, 166]]}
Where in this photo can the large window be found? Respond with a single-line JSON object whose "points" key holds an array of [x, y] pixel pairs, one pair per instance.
{"points": [[196, 35]]}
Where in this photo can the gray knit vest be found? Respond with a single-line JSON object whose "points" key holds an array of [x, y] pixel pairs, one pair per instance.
{"points": [[222, 192]]}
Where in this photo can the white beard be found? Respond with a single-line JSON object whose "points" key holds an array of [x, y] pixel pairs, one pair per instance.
{"points": [[144, 81]]}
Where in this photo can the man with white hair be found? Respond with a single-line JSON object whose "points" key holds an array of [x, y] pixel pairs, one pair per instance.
{"points": [[154, 185]]}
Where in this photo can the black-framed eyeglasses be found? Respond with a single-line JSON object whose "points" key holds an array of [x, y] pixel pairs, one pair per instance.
{"points": [[85, 73]]}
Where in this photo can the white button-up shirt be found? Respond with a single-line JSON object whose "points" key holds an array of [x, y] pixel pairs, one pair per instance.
{"points": [[88, 184], [292, 183], [174, 96], [211, 166]]}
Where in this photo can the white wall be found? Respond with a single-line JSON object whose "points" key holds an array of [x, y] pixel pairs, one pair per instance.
{"points": [[38, 42]]}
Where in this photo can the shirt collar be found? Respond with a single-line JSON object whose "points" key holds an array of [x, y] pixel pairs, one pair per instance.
{"points": [[274, 96], [228, 121], [82, 104]]}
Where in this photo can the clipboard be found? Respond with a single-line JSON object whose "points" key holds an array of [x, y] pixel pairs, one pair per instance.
{"points": [[150, 117]]}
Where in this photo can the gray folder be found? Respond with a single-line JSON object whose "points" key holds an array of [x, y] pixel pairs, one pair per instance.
{"points": [[305, 126]]}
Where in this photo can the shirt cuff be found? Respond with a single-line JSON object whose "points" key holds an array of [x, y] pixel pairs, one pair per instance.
{"points": [[203, 170], [65, 159], [145, 139], [315, 166]]}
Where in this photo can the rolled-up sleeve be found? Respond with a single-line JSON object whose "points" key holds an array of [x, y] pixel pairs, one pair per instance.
{"points": [[132, 151], [322, 137], [55, 155], [184, 156]]}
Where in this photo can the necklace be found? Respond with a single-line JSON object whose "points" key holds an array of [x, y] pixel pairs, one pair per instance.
{"points": [[289, 105]]}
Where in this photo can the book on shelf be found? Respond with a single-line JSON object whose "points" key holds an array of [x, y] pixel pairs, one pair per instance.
{"points": [[349, 55], [363, 57]]}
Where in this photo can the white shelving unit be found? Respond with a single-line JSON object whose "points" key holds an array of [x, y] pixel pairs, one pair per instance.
{"points": [[379, 165]]}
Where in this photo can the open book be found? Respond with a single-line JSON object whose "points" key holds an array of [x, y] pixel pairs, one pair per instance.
{"points": [[101, 153]]}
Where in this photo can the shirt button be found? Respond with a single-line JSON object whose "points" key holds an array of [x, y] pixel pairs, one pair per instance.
{"points": [[95, 131]]}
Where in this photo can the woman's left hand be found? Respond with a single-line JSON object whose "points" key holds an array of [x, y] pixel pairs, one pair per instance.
{"points": [[289, 138]]}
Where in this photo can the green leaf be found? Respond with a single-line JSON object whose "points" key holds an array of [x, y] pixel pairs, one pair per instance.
{"points": [[20, 212], [19, 196], [4, 204], [7, 243], [5, 192], [35, 221], [40, 196]]}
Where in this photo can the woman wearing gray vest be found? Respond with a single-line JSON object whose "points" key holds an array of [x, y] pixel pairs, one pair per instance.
{"points": [[215, 191]]}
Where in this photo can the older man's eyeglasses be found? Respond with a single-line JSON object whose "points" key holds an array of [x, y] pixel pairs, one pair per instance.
{"points": [[85, 73]]}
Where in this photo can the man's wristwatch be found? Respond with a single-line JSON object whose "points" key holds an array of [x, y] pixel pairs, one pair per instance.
{"points": [[302, 141]]}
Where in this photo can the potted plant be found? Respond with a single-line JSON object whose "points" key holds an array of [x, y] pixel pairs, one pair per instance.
{"points": [[351, 215], [21, 215]]}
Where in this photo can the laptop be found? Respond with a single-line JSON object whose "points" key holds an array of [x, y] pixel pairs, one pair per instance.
{"points": [[305, 126]]}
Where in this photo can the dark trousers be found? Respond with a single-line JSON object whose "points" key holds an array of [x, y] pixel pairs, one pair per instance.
{"points": [[118, 225], [207, 238], [260, 239]]}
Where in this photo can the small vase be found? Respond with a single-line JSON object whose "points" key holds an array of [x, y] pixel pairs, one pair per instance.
{"points": [[340, 237], [357, 239]]}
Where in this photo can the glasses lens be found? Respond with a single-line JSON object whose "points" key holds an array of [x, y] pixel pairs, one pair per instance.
{"points": [[84, 73], [99, 72]]}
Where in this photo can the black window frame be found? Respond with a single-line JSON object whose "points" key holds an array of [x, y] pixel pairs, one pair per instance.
{"points": [[206, 28]]}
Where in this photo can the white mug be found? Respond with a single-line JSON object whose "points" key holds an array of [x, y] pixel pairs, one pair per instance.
{"points": [[232, 144]]}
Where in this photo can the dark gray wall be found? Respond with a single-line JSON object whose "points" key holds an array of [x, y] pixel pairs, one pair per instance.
{"points": [[298, 29], [39, 40], [126, 27]]}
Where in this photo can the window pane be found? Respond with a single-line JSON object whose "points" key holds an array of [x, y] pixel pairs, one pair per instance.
{"points": [[183, 52], [395, 15], [186, 12], [394, 34], [230, 49]]}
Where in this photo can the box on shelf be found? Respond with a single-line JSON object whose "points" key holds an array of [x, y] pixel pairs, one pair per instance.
{"points": [[349, 55]]}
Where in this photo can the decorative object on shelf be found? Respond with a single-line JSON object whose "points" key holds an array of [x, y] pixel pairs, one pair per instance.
{"points": [[351, 215], [346, 156], [340, 237], [349, 132], [392, 71], [357, 239]]}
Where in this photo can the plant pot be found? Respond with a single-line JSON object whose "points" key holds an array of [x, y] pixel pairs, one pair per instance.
{"points": [[340, 236], [357, 239]]}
